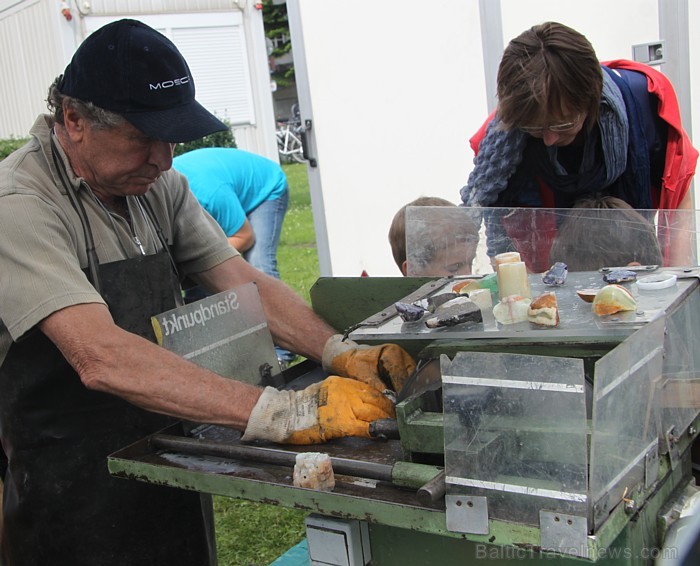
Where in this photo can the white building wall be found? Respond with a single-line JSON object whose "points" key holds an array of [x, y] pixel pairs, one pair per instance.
{"points": [[694, 54], [112, 7], [607, 25], [394, 92], [28, 66], [36, 43]]}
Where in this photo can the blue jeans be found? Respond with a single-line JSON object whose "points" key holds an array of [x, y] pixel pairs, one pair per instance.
{"points": [[266, 221]]}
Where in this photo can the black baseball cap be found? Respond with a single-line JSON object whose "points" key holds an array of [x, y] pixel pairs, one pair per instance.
{"points": [[131, 69]]}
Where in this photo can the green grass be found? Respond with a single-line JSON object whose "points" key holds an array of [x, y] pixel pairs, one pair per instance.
{"points": [[254, 534], [297, 256]]}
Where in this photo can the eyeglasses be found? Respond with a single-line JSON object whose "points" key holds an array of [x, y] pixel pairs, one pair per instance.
{"points": [[555, 128]]}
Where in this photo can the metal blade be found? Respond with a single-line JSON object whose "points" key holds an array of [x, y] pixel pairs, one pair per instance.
{"points": [[426, 377], [630, 268]]}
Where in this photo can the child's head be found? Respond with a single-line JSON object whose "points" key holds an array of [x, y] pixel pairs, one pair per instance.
{"points": [[592, 236], [445, 245]]}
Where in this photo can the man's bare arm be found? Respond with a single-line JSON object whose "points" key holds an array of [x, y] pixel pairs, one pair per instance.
{"points": [[292, 322], [244, 239], [111, 360]]}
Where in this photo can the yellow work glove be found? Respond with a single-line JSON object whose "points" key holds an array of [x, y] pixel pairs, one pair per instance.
{"points": [[334, 408], [386, 366]]}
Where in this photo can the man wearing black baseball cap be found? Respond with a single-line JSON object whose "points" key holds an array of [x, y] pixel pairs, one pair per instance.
{"points": [[99, 230], [134, 71]]}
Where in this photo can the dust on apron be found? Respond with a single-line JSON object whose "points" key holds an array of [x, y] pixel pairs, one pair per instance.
{"points": [[61, 505]]}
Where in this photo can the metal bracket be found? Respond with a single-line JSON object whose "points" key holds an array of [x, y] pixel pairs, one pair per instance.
{"points": [[651, 465], [308, 124], [651, 53], [467, 514], [563, 533], [671, 437]]}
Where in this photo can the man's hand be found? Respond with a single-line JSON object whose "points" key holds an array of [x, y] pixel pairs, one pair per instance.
{"points": [[386, 366], [334, 408]]}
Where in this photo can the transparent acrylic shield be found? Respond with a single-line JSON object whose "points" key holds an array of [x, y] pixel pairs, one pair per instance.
{"points": [[625, 415], [226, 333], [516, 433], [441, 240], [444, 240], [679, 391]]}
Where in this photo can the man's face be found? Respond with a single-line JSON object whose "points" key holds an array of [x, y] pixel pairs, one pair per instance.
{"points": [[119, 161]]}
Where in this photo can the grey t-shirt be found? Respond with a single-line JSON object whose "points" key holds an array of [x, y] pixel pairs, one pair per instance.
{"points": [[43, 249]]}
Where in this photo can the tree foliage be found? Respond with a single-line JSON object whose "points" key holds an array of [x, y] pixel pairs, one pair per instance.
{"points": [[276, 25], [217, 139], [10, 145]]}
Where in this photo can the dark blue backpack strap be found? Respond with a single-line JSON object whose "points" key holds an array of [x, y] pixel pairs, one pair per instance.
{"points": [[635, 184], [654, 129], [647, 137]]}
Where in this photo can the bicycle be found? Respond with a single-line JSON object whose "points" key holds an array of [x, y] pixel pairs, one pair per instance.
{"points": [[289, 142]]}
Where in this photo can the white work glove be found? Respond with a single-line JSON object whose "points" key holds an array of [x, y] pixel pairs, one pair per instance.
{"points": [[334, 408]]}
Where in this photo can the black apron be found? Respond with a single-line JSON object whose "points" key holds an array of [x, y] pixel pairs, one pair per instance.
{"points": [[61, 506]]}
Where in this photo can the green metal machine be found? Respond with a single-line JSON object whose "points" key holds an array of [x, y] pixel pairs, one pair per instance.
{"points": [[512, 443]]}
